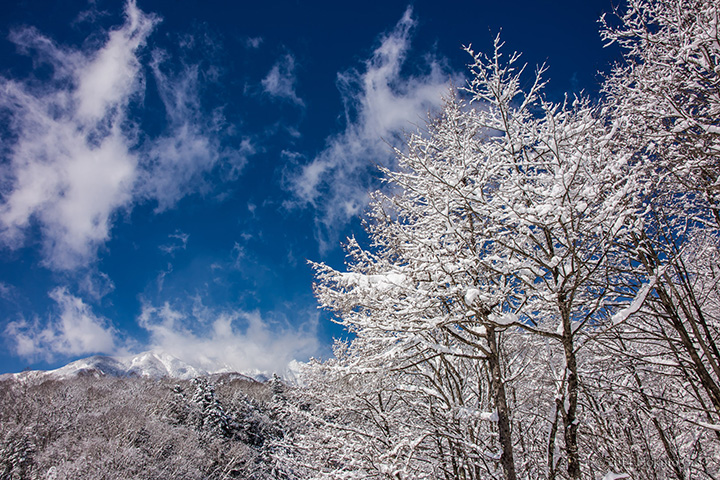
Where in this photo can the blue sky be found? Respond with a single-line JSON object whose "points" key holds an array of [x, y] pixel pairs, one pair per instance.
{"points": [[168, 166]]}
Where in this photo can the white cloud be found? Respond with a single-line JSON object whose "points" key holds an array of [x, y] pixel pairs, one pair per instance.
{"points": [[238, 254], [161, 276], [280, 81], [240, 341], [111, 76], [95, 284], [74, 331], [380, 103], [178, 241], [253, 42], [177, 161], [76, 158], [72, 167], [6, 291]]}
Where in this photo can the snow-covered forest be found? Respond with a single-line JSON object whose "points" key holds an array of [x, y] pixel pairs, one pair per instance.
{"points": [[538, 299], [88, 427]]}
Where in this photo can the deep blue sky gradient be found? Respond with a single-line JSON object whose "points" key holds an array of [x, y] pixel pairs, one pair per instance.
{"points": [[247, 235]]}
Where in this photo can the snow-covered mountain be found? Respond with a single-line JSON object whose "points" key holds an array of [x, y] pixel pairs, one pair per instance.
{"points": [[147, 364], [152, 364]]}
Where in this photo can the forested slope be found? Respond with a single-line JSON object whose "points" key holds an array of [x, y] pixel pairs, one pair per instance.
{"points": [[212, 427]]}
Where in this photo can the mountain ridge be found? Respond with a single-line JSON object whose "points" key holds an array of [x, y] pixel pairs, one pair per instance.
{"points": [[150, 364]]}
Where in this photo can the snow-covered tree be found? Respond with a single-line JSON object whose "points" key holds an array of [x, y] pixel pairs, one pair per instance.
{"points": [[563, 258], [665, 94], [501, 222], [211, 415], [664, 101]]}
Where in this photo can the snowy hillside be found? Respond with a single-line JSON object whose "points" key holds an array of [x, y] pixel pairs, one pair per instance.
{"points": [[214, 427]]}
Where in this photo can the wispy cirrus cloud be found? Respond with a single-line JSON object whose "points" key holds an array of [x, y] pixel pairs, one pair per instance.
{"points": [[73, 153], [73, 329], [177, 241], [72, 165], [239, 341], [280, 81], [175, 163], [381, 102], [6, 290], [253, 42], [95, 284]]}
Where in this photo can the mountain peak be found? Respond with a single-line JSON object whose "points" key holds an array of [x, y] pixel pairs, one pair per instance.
{"points": [[152, 364]]}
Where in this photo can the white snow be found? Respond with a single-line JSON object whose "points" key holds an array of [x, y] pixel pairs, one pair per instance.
{"points": [[471, 295], [711, 426], [623, 314], [489, 416], [615, 476], [146, 364], [152, 364], [505, 318], [381, 282]]}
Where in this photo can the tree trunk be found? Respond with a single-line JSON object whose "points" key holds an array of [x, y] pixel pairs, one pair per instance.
{"points": [[569, 410], [507, 460]]}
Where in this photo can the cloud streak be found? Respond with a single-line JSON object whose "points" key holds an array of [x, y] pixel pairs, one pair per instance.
{"points": [[75, 155], [75, 330], [72, 166], [381, 102], [175, 164], [280, 81], [239, 341], [209, 338], [177, 241]]}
